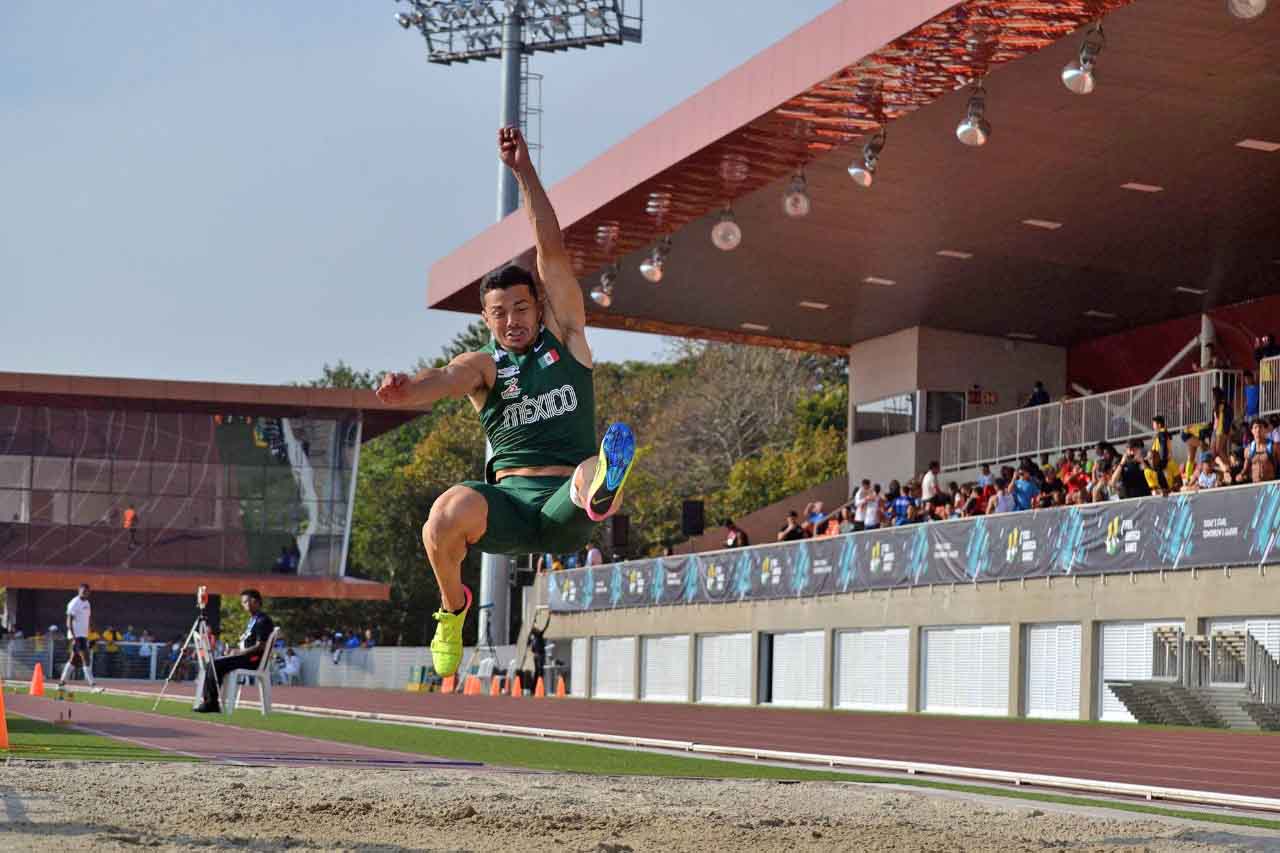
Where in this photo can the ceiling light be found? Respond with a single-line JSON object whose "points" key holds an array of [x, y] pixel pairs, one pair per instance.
{"points": [[734, 168], [1142, 188], [974, 129], [653, 265], [658, 204], [1194, 291], [607, 233], [795, 201], [1100, 315], [954, 253], [755, 327], [1259, 145], [1246, 9], [863, 171], [875, 279], [1021, 336], [1046, 224], [816, 306], [726, 235], [1077, 75]]}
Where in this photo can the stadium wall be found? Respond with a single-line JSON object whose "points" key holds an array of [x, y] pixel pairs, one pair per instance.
{"points": [[1190, 598]]}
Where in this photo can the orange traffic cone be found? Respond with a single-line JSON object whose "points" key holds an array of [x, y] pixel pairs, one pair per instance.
{"points": [[538, 690], [448, 684], [495, 686], [475, 685], [37, 682], [4, 725], [517, 689], [560, 691]]}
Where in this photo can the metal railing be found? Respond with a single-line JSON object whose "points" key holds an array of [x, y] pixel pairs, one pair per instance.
{"points": [[1261, 672], [1269, 386], [18, 658], [1114, 416]]}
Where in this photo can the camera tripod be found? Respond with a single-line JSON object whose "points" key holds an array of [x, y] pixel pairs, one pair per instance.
{"points": [[197, 638]]}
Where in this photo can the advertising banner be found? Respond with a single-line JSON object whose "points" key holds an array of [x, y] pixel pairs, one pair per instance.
{"points": [[1222, 527]]}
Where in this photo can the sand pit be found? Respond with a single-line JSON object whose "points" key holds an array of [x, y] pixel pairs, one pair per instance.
{"points": [[95, 806]]}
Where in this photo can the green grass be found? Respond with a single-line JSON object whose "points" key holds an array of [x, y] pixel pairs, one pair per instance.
{"points": [[579, 758], [32, 739]]}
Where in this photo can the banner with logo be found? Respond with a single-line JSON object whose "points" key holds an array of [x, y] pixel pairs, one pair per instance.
{"points": [[1221, 527]]}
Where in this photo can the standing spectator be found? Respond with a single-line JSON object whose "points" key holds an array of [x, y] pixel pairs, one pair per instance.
{"points": [[904, 509], [985, 479], [1259, 455], [282, 562], [735, 537], [130, 523], [1153, 471], [1196, 438], [292, 667], [1130, 476], [1274, 423], [1252, 399], [873, 510], [860, 498], [1223, 417], [1002, 500], [368, 638], [929, 483], [1039, 396], [129, 635], [78, 613], [595, 557], [791, 528], [1162, 443], [109, 639]]}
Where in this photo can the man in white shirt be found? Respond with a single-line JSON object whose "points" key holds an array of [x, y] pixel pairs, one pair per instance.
{"points": [[78, 634], [860, 499], [594, 556], [929, 484], [292, 668]]}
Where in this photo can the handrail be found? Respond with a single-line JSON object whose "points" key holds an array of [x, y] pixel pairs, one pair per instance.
{"points": [[1269, 386], [1262, 672], [1113, 416]]}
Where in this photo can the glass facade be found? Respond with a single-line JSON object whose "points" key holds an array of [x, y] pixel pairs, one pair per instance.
{"points": [[175, 490], [901, 413]]}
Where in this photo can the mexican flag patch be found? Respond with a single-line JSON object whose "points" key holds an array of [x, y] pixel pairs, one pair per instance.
{"points": [[549, 358]]}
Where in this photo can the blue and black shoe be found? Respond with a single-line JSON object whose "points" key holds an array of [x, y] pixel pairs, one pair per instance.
{"points": [[617, 455]]}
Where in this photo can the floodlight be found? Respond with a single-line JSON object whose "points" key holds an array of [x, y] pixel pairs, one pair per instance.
{"points": [[974, 129], [403, 20], [863, 171], [1246, 9], [726, 235], [1077, 75], [602, 293], [795, 201], [653, 265]]}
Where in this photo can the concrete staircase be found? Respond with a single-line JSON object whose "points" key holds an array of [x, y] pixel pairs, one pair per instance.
{"points": [[1230, 704], [1166, 703]]}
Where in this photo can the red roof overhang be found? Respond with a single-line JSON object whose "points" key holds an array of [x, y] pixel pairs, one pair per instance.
{"points": [[114, 579]]}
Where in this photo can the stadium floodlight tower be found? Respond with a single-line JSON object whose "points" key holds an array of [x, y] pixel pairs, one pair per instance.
{"points": [[467, 30], [510, 30]]}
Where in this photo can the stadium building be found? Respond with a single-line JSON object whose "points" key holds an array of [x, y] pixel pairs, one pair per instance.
{"points": [[146, 489], [1120, 219]]}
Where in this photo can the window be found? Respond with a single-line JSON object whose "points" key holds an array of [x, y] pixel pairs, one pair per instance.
{"points": [[888, 416], [942, 408]]}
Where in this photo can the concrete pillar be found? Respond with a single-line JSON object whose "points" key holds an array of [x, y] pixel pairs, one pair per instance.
{"points": [[849, 433], [1090, 632], [755, 667], [1017, 669], [637, 668], [914, 667], [589, 662]]}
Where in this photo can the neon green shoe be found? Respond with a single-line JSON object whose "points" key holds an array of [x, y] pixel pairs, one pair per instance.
{"points": [[446, 645]]}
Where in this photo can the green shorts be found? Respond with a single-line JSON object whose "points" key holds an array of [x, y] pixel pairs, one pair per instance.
{"points": [[531, 515]]}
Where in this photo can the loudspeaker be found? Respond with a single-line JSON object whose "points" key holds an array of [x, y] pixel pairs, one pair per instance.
{"points": [[617, 532], [692, 522]]}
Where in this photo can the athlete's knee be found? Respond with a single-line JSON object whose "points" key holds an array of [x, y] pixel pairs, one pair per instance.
{"points": [[459, 513]]}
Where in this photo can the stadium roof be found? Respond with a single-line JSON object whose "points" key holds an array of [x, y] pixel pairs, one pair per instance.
{"points": [[178, 582], [1180, 87], [94, 392]]}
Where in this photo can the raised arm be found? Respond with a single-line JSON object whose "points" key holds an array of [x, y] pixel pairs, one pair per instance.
{"points": [[470, 374], [564, 306]]}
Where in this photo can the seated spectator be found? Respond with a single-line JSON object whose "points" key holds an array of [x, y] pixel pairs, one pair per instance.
{"points": [[985, 479], [1129, 477], [813, 518], [847, 524], [1100, 484], [1274, 422], [282, 562], [1053, 488], [129, 635], [292, 668], [368, 638], [1259, 455], [1039, 395], [791, 528], [1230, 468], [1002, 500], [735, 537], [1205, 476], [831, 526], [1025, 489]]}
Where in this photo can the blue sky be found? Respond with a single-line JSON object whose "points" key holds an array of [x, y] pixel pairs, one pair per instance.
{"points": [[246, 191]]}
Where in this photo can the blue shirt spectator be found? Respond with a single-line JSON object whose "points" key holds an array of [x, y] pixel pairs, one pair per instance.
{"points": [[1025, 492], [1250, 395], [902, 505]]}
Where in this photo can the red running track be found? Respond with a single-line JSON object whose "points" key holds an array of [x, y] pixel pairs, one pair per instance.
{"points": [[1245, 763]]}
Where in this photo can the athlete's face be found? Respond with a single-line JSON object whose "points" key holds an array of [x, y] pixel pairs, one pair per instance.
{"points": [[512, 316]]}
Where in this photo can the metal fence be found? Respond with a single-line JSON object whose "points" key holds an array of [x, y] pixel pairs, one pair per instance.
{"points": [[18, 658], [1115, 416], [1269, 386]]}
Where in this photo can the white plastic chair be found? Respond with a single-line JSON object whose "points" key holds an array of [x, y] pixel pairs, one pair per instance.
{"points": [[261, 676]]}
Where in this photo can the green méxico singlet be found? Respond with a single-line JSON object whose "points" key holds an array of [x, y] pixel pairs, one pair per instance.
{"points": [[539, 412]]}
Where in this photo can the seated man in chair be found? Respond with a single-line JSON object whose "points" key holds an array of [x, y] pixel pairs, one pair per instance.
{"points": [[253, 645]]}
